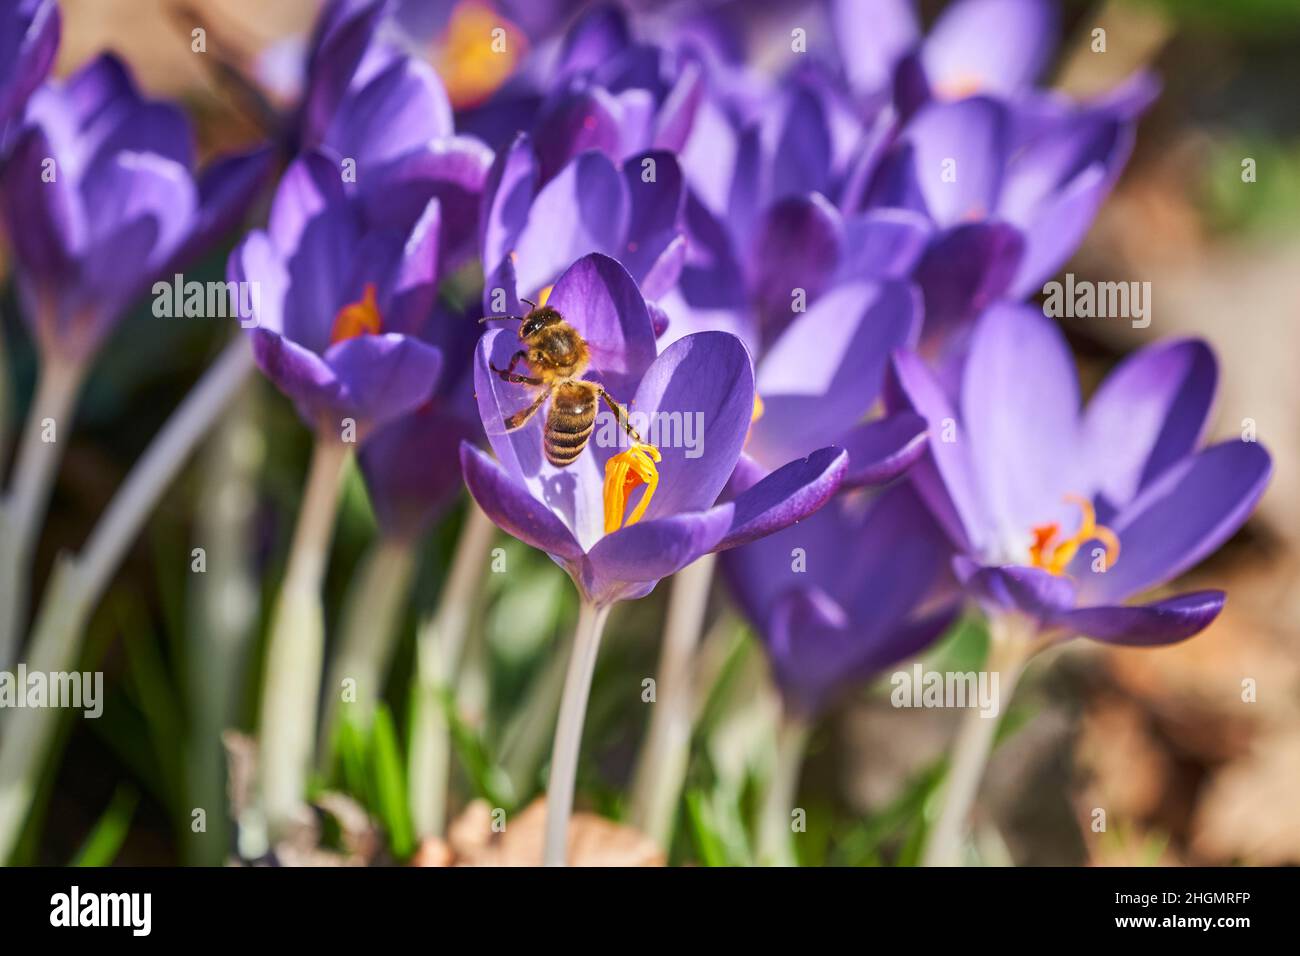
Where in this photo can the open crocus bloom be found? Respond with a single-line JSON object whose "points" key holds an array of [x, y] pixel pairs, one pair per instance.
{"points": [[692, 408], [1061, 516], [839, 597], [29, 39], [342, 297], [119, 208]]}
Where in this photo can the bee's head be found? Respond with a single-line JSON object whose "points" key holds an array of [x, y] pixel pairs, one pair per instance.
{"points": [[538, 318]]}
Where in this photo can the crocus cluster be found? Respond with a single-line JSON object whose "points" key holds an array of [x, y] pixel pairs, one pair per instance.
{"points": [[771, 307]]}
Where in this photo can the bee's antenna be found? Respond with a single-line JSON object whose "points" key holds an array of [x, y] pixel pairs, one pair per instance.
{"points": [[530, 302], [501, 318]]}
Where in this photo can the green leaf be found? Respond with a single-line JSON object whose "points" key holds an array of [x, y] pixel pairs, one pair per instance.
{"points": [[106, 839], [390, 784]]}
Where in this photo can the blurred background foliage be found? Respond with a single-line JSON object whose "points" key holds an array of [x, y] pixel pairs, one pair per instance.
{"points": [[1154, 738]]}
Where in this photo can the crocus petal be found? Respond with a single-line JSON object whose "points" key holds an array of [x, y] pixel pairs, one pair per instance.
{"points": [[1146, 625], [384, 376], [797, 248], [1020, 406], [1148, 413], [960, 151], [599, 34], [399, 110], [967, 269], [676, 117], [302, 375], [994, 46], [789, 494], [32, 54], [452, 170], [513, 509], [699, 399], [578, 122], [342, 39], [824, 373], [882, 450], [600, 300], [257, 262], [651, 549], [872, 37], [883, 244], [944, 477], [656, 209], [415, 288], [44, 221], [311, 185], [1032, 591], [1178, 519], [226, 190], [583, 209], [801, 157], [412, 468], [507, 198]]}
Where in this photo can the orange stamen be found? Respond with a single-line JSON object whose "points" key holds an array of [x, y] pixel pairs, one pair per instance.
{"points": [[357, 318], [477, 53], [1053, 554], [623, 474]]}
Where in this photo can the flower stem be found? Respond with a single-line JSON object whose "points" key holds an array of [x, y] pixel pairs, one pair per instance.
{"points": [[370, 627], [439, 644], [24, 508], [1010, 647], [77, 584], [223, 608], [296, 646], [568, 731], [657, 784], [775, 847]]}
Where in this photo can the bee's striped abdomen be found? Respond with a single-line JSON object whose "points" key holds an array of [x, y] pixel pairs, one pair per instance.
{"points": [[569, 422]]}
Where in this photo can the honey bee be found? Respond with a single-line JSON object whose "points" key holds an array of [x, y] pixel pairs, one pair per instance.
{"points": [[556, 355]]}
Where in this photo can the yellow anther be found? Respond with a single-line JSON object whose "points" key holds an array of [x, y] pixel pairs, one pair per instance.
{"points": [[544, 295], [357, 318], [473, 59], [1053, 553], [623, 474], [758, 408]]}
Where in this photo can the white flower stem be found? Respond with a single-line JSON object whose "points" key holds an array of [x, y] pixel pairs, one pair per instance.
{"points": [[77, 584], [1010, 647], [775, 844], [44, 437], [661, 768], [370, 628], [439, 644], [296, 646], [568, 731]]}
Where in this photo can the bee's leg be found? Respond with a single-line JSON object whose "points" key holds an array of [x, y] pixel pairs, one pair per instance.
{"points": [[620, 413], [520, 418], [508, 373]]}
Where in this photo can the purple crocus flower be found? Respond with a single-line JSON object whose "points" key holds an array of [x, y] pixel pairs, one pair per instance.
{"points": [[100, 199], [344, 293], [693, 402], [1009, 200], [29, 40], [841, 595], [1061, 515]]}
